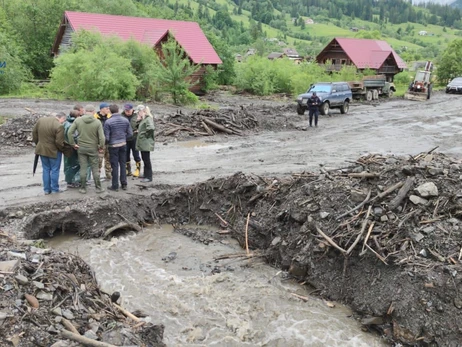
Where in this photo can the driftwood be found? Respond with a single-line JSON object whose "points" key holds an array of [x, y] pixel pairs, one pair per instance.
{"points": [[121, 225], [69, 326], [207, 129], [364, 175], [84, 340], [217, 126], [127, 313], [402, 193], [330, 241]]}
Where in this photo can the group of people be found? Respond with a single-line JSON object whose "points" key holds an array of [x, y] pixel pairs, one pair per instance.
{"points": [[88, 139]]}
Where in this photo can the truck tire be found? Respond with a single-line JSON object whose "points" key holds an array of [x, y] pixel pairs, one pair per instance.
{"points": [[390, 93], [369, 95], [345, 107], [375, 94], [429, 93], [300, 110], [324, 108]]}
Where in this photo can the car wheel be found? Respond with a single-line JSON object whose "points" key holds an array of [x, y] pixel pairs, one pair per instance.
{"points": [[345, 107], [369, 95], [300, 110], [390, 93], [447, 91], [375, 94], [325, 108]]}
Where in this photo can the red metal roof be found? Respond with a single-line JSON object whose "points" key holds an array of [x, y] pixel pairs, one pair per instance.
{"points": [[369, 53], [189, 35]]}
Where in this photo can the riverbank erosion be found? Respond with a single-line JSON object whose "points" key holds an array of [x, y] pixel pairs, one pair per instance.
{"points": [[381, 234]]}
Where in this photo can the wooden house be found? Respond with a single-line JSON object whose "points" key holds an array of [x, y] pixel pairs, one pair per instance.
{"points": [[150, 31], [363, 54]]}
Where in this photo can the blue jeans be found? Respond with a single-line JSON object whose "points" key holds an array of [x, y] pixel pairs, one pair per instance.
{"points": [[50, 175], [118, 157]]}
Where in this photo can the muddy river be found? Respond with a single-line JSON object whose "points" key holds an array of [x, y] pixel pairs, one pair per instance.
{"points": [[203, 302]]}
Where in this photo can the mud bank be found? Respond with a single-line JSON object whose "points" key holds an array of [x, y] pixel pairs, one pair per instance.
{"points": [[381, 235]]}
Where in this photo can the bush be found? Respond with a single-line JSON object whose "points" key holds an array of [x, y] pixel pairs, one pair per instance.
{"points": [[85, 75]]}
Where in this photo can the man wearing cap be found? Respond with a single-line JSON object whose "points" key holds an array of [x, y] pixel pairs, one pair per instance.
{"points": [[131, 142], [91, 142], [313, 105], [116, 131], [48, 135], [103, 115]]}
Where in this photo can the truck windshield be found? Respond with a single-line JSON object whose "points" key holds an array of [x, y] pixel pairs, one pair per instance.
{"points": [[320, 88]]}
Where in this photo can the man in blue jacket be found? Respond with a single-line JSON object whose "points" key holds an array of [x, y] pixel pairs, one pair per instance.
{"points": [[116, 131]]}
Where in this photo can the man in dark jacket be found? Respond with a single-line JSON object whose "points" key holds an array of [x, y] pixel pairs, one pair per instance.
{"points": [[71, 164], [131, 142], [91, 142], [103, 115], [116, 131], [313, 105], [48, 135]]}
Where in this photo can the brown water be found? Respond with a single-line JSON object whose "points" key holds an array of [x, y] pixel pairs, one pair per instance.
{"points": [[202, 302]]}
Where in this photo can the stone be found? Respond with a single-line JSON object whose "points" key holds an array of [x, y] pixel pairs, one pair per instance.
{"points": [[298, 217], [417, 200], [423, 253], [90, 334], [453, 220], [372, 321], [44, 296], [275, 241], [60, 343], [427, 189], [39, 285], [434, 171], [417, 237], [57, 311], [357, 195], [17, 255], [384, 218], [378, 211], [68, 314], [458, 302], [324, 215], [9, 265], [428, 230], [21, 279]]}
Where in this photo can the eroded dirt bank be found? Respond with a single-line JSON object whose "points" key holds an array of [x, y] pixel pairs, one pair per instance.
{"points": [[381, 235]]}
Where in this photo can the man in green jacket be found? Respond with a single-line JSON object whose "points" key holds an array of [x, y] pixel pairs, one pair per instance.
{"points": [[48, 135], [91, 143]]}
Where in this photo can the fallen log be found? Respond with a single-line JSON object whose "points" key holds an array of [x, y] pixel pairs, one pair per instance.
{"points": [[218, 126], [402, 193], [364, 175], [127, 313], [207, 129], [84, 340], [122, 225]]}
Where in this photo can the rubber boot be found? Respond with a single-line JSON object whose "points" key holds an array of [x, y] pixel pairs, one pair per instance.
{"points": [[138, 169], [128, 168]]}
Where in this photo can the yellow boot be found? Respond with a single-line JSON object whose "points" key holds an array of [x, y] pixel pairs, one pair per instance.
{"points": [[138, 169]]}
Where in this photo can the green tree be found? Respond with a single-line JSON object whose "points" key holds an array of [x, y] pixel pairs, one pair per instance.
{"points": [[13, 71], [175, 73], [450, 64], [85, 76]]}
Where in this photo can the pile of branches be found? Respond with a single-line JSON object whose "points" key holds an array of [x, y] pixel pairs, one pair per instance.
{"points": [[17, 131], [231, 121], [52, 298]]}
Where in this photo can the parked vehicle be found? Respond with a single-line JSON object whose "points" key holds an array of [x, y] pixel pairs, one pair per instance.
{"points": [[332, 95], [371, 88], [455, 86], [420, 88]]}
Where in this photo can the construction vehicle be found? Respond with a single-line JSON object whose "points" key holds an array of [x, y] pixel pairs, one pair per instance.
{"points": [[420, 88], [371, 87]]}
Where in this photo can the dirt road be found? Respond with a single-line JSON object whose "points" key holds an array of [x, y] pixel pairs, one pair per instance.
{"points": [[396, 126]]}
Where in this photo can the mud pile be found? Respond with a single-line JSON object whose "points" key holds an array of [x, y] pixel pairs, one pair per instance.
{"points": [[17, 131], [183, 124], [230, 120], [52, 299]]}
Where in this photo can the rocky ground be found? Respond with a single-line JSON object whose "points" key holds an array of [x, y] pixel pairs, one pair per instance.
{"points": [[379, 232]]}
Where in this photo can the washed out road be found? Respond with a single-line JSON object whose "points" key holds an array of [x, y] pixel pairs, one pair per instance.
{"points": [[395, 126]]}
